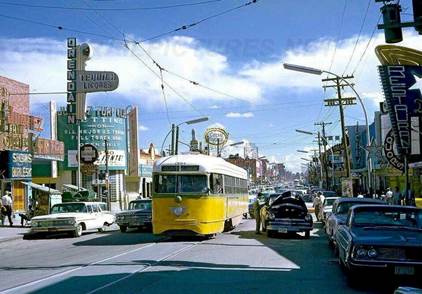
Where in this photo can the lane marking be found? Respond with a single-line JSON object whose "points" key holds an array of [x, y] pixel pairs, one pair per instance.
{"points": [[143, 268], [72, 270]]}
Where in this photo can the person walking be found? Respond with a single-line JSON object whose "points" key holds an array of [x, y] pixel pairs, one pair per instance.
{"points": [[389, 196], [7, 202], [257, 210], [397, 197], [318, 205]]}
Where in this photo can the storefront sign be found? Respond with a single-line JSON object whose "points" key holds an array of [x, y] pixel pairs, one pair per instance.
{"points": [[133, 141], [402, 88], [48, 149], [390, 152], [102, 123], [96, 81], [16, 164], [216, 136], [71, 75]]}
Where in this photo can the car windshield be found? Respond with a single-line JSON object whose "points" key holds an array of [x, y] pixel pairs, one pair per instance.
{"points": [[388, 217], [142, 205], [329, 194], [68, 207], [329, 202], [181, 183], [343, 207]]}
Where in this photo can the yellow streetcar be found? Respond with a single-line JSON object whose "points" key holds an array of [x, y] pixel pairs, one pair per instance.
{"points": [[197, 194]]}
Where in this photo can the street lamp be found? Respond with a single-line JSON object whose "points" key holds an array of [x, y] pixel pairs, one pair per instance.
{"points": [[229, 145], [302, 151], [316, 71], [175, 128], [306, 159]]}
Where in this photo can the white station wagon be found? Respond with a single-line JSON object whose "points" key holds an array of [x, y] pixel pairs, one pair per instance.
{"points": [[74, 218]]}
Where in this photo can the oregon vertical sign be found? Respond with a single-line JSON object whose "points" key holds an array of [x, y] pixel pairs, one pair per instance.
{"points": [[71, 80]]}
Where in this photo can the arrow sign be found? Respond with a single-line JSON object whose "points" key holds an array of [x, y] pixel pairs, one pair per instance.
{"points": [[96, 81]]}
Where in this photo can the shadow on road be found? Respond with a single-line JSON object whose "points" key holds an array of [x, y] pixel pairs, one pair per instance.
{"points": [[118, 238], [292, 247]]}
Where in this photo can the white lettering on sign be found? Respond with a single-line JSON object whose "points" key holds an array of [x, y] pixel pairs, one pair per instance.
{"points": [[21, 172], [22, 158]]}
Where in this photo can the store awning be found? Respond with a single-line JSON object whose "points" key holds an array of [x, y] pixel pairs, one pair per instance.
{"points": [[73, 187], [42, 188]]}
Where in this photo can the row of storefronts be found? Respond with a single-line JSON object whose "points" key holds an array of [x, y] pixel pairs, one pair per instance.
{"points": [[36, 170]]}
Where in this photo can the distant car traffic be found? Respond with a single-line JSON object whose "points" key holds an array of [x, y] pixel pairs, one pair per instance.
{"points": [[339, 213], [286, 213], [309, 202], [73, 218], [139, 215], [382, 238]]}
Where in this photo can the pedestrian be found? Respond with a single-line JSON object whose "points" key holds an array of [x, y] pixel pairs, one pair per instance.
{"points": [[257, 210], [389, 196], [7, 202], [397, 196], [318, 205]]}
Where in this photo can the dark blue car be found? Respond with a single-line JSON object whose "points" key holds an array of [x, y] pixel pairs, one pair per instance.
{"points": [[381, 238]]}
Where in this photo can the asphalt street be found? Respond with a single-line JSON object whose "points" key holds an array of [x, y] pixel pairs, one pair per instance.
{"points": [[138, 262]]}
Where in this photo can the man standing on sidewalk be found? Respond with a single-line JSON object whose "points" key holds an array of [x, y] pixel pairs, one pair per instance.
{"points": [[7, 202]]}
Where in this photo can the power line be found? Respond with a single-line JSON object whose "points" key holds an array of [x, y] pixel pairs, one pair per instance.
{"points": [[358, 37], [367, 45], [338, 34], [110, 9]]}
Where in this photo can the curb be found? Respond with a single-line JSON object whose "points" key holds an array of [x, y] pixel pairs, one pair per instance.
{"points": [[3, 240]]}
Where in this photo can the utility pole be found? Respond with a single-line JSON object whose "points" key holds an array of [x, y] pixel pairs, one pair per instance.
{"points": [[320, 160], [324, 157], [340, 102]]}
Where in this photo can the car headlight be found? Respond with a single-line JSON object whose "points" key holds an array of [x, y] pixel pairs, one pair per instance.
{"points": [[34, 223], [372, 253], [71, 221], [361, 252]]}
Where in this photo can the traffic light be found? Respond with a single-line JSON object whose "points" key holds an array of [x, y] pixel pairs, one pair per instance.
{"points": [[417, 15], [392, 21]]}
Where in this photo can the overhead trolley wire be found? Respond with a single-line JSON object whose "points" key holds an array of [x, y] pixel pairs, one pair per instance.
{"points": [[162, 7], [188, 26]]}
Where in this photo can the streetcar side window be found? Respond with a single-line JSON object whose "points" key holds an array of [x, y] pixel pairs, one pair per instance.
{"points": [[217, 183]]}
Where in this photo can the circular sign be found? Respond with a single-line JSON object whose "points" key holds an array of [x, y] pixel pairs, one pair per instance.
{"points": [[390, 153], [216, 136], [89, 154]]}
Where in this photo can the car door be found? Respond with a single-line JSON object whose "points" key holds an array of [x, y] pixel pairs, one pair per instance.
{"points": [[91, 220], [99, 216]]}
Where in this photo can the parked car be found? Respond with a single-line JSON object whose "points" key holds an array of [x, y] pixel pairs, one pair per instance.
{"points": [[139, 215], [286, 213], [327, 206], [382, 238], [73, 218], [339, 213]]}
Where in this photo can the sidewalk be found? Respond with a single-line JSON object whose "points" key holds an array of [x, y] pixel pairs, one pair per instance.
{"points": [[12, 233]]}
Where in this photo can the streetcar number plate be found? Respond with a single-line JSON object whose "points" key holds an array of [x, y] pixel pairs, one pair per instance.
{"points": [[282, 230], [404, 270]]}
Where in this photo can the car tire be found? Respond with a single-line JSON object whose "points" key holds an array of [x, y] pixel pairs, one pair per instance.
{"points": [[123, 229], [103, 228], [78, 231], [307, 234]]}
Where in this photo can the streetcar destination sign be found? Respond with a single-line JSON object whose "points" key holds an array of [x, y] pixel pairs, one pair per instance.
{"points": [[96, 81]]}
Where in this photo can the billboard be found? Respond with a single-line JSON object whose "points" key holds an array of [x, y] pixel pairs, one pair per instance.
{"points": [[102, 123]]}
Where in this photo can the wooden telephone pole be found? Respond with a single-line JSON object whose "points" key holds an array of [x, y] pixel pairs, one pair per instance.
{"points": [[324, 157], [340, 102]]}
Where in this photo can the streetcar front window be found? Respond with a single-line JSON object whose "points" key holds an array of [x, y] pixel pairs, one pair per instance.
{"points": [[165, 184], [193, 184]]}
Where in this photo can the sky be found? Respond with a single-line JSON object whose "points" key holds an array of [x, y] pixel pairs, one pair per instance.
{"points": [[236, 59]]}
